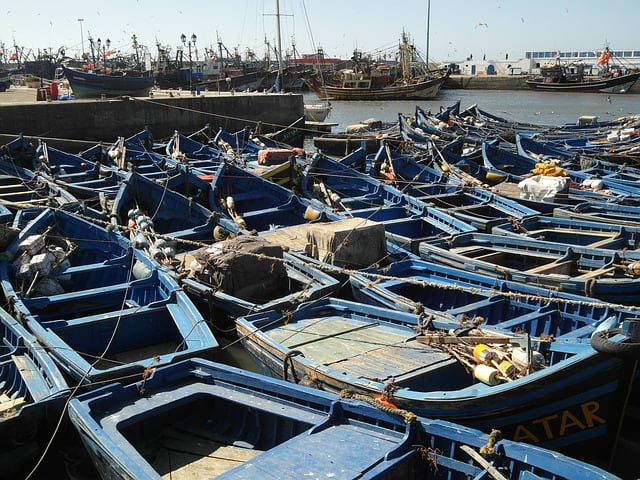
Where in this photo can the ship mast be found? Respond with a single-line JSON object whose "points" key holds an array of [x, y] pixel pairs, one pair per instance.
{"points": [[279, 39], [428, 21], [405, 56]]}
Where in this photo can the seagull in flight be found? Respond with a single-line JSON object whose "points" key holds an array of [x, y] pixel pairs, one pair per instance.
{"points": [[482, 25]]}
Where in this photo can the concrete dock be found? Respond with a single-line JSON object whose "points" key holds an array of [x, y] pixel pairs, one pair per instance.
{"points": [[90, 120], [498, 82]]}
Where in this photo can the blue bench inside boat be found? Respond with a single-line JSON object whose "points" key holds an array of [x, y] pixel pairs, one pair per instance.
{"points": [[145, 292]]}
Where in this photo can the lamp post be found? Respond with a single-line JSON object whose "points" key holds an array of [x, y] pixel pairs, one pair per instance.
{"points": [[193, 39], [80, 20], [107, 47], [134, 38], [99, 42]]}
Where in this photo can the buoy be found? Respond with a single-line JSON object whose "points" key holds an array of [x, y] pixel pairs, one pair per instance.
{"points": [[220, 233], [311, 214], [520, 360], [506, 368], [634, 268], [494, 178], [483, 354], [486, 374]]}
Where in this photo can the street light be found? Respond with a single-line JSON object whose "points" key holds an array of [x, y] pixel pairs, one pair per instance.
{"points": [[107, 47], [183, 38], [80, 20]]}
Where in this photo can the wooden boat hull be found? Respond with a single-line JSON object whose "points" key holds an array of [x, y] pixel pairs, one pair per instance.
{"points": [[572, 231], [333, 345], [593, 272], [343, 144], [32, 396], [207, 420], [424, 90], [105, 311], [91, 85], [621, 84], [621, 215]]}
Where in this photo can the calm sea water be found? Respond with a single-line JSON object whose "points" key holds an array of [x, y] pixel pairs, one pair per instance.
{"points": [[522, 105]]}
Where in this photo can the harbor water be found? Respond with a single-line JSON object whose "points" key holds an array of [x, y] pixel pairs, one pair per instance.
{"points": [[520, 105]]}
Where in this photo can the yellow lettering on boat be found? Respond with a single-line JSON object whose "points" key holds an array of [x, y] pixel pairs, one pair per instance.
{"points": [[545, 424], [589, 410], [567, 421], [523, 434]]}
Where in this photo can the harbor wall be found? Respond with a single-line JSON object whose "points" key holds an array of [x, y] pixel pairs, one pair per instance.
{"points": [[498, 82], [487, 82], [97, 120]]}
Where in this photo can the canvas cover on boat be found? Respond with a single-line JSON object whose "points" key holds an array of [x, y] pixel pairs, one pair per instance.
{"points": [[351, 243], [246, 267], [542, 187]]}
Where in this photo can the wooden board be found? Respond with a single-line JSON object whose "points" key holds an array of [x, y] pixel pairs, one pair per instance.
{"points": [[369, 352], [188, 456]]}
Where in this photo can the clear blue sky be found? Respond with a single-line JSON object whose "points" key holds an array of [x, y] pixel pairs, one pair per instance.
{"points": [[457, 28]]}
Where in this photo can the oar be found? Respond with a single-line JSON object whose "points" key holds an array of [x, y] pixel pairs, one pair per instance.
{"points": [[491, 470]]}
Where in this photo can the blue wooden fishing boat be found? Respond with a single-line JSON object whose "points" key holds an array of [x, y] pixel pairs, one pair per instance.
{"points": [[617, 144], [203, 419], [573, 231], [21, 187], [352, 193], [342, 187], [171, 213], [198, 156], [86, 84], [540, 151], [423, 134], [101, 309], [94, 183], [594, 272], [174, 222], [474, 205], [477, 114], [450, 126], [268, 160], [337, 345], [128, 155], [415, 285], [32, 396], [407, 227], [258, 204], [610, 213], [30, 190], [508, 185], [606, 188]]}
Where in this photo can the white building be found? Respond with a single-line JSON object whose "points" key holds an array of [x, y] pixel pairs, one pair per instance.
{"points": [[532, 61]]}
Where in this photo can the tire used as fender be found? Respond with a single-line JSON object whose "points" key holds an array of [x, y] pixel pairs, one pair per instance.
{"points": [[601, 343]]}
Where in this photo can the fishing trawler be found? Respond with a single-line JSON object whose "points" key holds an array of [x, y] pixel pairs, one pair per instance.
{"points": [[573, 77], [366, 80]]}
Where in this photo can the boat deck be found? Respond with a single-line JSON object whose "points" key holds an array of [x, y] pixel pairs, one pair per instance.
{"points": [[188, 453], [365, 349]]}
